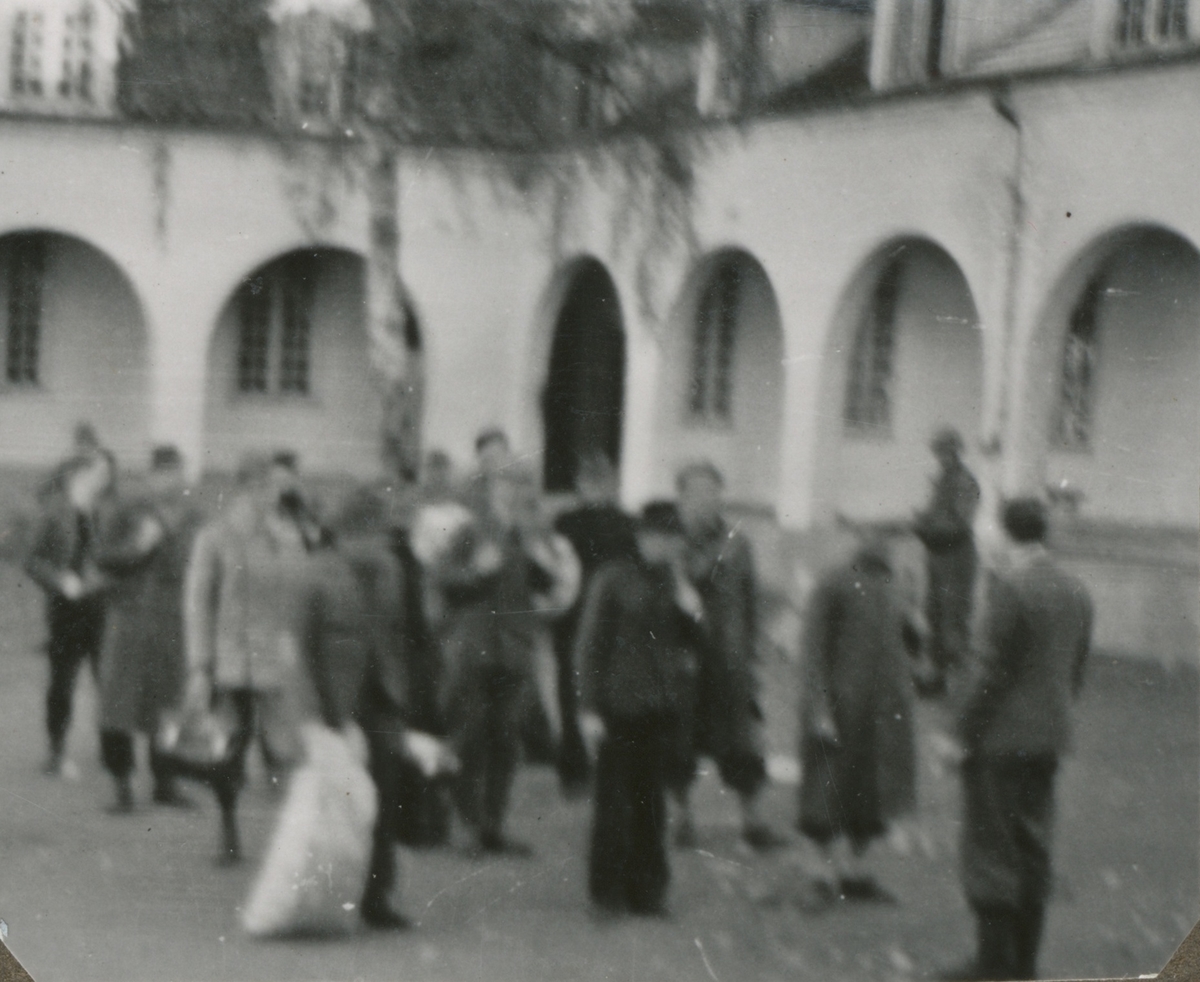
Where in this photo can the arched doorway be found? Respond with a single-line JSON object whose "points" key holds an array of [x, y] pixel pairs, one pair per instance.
{"points": [[903, 359], [722, 392], [75, 349], [289, 365], [584, 396], [1113, 391]]}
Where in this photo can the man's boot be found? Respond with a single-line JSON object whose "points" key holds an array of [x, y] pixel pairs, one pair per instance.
{"points": [[123, 800], [1028, 939], [995, 948]]}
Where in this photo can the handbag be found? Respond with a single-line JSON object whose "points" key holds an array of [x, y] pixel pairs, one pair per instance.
{"points": [[194, 739]]}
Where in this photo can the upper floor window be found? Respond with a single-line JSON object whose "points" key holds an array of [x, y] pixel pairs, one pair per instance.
{"points": [[710, 398], [1142, 22], [274, 352], [1077, 379], [25, 53], [25, 264], [868, 390], [76, 80]]}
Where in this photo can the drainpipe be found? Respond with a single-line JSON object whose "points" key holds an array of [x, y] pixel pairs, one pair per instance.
{"points": [[997, 443]]}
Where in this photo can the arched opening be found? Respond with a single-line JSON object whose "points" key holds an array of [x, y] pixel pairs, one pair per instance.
{"points": [[1112, 394], [75, 349], [584, 396], [289, 366], [904, 358], [722, 392]]}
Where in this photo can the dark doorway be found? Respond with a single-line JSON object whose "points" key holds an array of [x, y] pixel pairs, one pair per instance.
{"points": [[583, 401]]}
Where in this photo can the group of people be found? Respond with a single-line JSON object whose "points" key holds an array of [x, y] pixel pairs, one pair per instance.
{"points": [[437, 615], [469, 616], [1004, 652]]}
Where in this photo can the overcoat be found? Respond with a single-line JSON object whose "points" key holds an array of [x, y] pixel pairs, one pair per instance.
{"points": [[143, 666], [720, 564], [856, 673]]}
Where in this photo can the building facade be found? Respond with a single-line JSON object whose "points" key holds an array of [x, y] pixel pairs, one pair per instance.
{"points": [[1013, 253]]}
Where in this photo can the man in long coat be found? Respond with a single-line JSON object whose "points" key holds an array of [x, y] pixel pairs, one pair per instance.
{"points": [[143, 549], [1014, 724], [352, 635], [945, 528], [859, 769], [720, 563]]}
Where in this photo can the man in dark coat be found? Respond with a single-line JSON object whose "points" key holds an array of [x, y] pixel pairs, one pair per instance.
{"points": [[143, 549], [720, 563], [636, 646], [599, 532], [489, 579], [945, 528], [857, 751], [62, 562], [352, 633], [1013, 724]]}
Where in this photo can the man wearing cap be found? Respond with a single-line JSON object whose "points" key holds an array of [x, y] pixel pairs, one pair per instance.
{"points": [[241, 596], [945, 528], [143, 549], [599, 531], [720, 562], [636, 649], [1013, 724]]}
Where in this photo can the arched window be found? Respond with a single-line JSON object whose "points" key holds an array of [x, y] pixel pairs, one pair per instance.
{"points": [[275, 328], [868, 391], [25, 263], [710, 398], [1073, 420]]}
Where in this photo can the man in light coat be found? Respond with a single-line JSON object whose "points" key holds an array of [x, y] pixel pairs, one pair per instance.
{"points": [[244, 580]]}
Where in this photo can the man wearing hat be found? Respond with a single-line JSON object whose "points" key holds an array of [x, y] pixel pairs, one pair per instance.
{"points": [[945, 528], [143, 549], [636, 649]]}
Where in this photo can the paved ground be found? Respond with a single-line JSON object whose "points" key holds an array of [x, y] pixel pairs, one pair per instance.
{"points": [[87, 896]]}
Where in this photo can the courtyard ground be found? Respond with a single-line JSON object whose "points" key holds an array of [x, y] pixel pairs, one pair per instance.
{"points": [[91, 897]]}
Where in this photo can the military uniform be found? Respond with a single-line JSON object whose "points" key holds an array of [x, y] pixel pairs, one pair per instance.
{"points": [[945, 528]]}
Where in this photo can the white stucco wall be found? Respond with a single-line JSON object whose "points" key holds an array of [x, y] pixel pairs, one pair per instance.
{"points": [[186, 215]]}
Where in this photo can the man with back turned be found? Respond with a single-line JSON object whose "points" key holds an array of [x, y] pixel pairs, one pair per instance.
{"points": [[1013, 723]]}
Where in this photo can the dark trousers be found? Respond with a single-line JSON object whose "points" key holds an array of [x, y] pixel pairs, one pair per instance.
{"points": [[117, 753], [573, 764], [226, 777], [1006, 866], [487, 716], [627, 861], [76, 630], [381, 875], [948, 600]]}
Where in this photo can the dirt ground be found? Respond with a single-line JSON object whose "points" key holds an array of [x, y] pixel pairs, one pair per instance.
{"points": [[91, 897]]}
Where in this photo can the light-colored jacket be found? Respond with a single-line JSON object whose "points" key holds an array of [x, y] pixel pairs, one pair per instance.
{"points": [[241, 597]]}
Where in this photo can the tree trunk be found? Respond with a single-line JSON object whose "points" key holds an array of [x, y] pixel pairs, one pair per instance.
{"points": [[395, 362]]}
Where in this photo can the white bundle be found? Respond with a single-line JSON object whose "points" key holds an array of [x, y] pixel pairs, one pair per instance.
{"points": [[315, 869]]}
